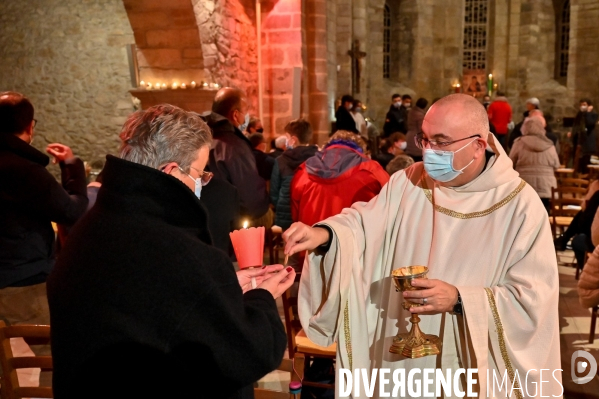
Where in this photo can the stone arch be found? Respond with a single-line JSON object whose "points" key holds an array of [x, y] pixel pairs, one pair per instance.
{"points": [[167, 39]]}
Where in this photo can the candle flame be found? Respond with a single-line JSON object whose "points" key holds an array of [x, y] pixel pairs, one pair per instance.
{"points": [[245, 224], [458, 85], [490, 76]]}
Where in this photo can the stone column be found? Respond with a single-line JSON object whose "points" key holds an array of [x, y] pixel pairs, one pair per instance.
{"points": [[316, 44]]}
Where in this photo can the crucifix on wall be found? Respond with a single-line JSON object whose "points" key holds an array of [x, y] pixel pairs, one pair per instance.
{"points": [[356, 66]]}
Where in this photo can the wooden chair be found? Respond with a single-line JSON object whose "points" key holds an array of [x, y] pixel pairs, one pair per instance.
{"points": [[579, 186], [594, 315], [301, 349], [261, 393], [32, 335], [563, 208]]}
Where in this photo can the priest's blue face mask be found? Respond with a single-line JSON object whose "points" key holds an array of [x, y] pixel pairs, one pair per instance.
{"points": [[439, 164]]}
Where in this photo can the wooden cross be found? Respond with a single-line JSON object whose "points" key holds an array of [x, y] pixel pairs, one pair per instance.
{"points": [[356, 56]]}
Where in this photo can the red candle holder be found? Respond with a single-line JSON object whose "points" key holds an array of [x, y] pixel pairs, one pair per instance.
{"points": [[248, 245]]}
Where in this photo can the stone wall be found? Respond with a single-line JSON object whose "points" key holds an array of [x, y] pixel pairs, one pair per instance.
{"points": [[69, 58], [228, 42]]}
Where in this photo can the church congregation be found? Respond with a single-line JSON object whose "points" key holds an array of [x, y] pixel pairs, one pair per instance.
{"points": [[209, 193]]}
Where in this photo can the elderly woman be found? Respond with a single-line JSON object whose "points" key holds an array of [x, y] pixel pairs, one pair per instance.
{"points": [[139, 290], [535, 158]]}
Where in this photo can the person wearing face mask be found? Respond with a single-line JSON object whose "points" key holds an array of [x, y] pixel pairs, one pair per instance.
{"points": [[396, 118], [464, 213], [584, 136], [389, 148], [231, 157], [254, 126], [415, 119], [299, 149], [30, 200], [345, 120], [356, 113], [141, 265]]}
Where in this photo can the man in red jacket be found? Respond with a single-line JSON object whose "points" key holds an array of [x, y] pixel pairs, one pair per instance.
{"points": [[500, 115]]}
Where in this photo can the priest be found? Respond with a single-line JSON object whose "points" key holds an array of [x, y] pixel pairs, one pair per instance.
{"points": [[492, 288]]}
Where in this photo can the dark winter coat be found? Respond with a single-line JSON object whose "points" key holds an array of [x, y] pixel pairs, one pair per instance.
{"points": [[584, 131], [280, 182], [345, 121], [222, 203], [396, 120], [142, 305], [232, 159], [30, 199]]}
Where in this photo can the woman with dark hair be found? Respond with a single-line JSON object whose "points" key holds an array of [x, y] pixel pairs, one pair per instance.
{"points": [[390, 147], [415, 119]]}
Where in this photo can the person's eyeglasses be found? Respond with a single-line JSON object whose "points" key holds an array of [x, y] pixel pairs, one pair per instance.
{"points": [[34, 122], [204, 176], [422, 142]]}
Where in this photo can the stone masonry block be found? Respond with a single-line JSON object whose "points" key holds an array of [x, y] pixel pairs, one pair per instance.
{"points": [[160, 58], [277, 21], [285, 37], [173, 38], [193, 53], [278, 80]]}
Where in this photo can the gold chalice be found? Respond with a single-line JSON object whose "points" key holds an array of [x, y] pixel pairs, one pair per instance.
{"points": [[414, 344]]}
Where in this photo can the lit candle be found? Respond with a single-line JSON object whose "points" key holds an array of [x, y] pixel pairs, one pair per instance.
{"points": [[149, 86], [490, 84], [183, 86], [204, 84], [248, 244], [142, 84], [192, 84], [163, 87], [174, 86]]}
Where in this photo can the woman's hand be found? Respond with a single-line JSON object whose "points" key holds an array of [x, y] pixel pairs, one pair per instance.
{"points": [[244, 276], [440, 296], [279, 282]]}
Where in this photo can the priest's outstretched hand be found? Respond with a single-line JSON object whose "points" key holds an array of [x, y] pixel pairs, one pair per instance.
{"points": [[300, 237], [440, 296]]}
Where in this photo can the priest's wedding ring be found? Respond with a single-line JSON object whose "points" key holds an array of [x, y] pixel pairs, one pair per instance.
{"points": [[424, 301]]}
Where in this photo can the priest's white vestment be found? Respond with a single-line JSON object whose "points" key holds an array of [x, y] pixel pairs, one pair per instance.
{"points": [[490, 238]]}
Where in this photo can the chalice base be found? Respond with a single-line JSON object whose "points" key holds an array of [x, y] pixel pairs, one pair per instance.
{"points": [[404, 344]]}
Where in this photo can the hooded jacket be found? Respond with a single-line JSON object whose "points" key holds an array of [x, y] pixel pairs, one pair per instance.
{"points": [[280, 182], [139, 290], [232, 159], [30, 199], [334, 179], [535, 158]]}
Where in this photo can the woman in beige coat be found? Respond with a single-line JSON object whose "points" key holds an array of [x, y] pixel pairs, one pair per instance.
{"points": [[535, 158], [588, 284]]}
